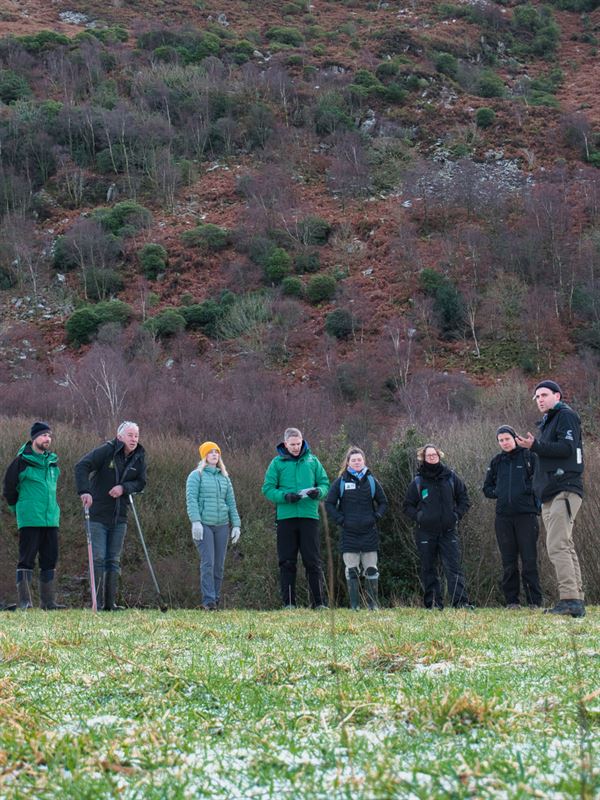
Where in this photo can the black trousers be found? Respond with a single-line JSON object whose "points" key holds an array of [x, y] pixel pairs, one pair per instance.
{"points": [[444, 546], [293, 535], [517, 538], [34, 541]]}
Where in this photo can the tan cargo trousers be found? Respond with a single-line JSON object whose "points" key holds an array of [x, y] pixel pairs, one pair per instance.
{"points": [[559, 515]]}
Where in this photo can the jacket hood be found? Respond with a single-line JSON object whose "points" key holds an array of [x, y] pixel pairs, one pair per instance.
{"points": [[26, 450], [119, 445], [284, 452]]}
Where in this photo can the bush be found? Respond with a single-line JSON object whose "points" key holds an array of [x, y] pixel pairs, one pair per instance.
{"points": [[102, 283], [12, 86], [153, 258], [292, 286], [339, 323], [208, 237], [331, 114], [123, 219], [203, 315], [43, 40], [448, 304], [447, 64], [83, 323], [314, 230], [277, 265], [309, 261], [166, 323], [291, 36], [490, 85], [321, 288], [485, 117]]}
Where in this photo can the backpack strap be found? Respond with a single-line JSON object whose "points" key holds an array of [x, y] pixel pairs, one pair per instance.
{"points": [[371, 480]]}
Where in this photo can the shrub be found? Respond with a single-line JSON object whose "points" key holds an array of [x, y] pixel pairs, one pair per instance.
{"points": [[102, 282], [448, 304], [208, 237], [292, 286], [291, 36], [203, 315], [277, 265], [166, 323], [12, 86], [447, 64], [314, 230], [43, 40], [82, 325], [331, 114], [123, 219], [153, 258], [339, 323], [308, 261], [490, 85], [321, 288], [485, 117]]}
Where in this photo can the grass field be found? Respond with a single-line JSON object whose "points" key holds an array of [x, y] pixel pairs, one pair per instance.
{"points": [[397, 704]]}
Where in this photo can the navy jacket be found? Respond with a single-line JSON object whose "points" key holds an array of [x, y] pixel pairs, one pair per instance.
{"points": [[356, 512], [509, 481], [560, 454]]}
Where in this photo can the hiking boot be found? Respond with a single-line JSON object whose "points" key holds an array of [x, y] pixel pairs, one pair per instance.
{"points": [[289, 607], [513, 607], [47, 592], [111, 580], [24, 577], [8, 606], [567, 608]]}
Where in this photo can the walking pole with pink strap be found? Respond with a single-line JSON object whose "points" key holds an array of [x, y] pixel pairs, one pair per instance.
{"points": [[88, 534]]}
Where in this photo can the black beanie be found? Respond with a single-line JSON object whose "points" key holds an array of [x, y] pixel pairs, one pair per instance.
{"points": [[37, 429], [506, 429], [552, 385]]}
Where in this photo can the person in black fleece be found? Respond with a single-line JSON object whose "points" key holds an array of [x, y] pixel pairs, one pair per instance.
{"points": [[436, 500], [508, 481], [356, 502], [558, 484]]}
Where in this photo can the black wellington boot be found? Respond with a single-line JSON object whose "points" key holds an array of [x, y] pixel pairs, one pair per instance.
{"points": [[47, 591], [24, 577]]}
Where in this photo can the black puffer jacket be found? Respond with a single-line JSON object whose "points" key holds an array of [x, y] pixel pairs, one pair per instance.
{"points": [[356, 512], [560, 454], [508, 480], [437, 500], [101, 469]]}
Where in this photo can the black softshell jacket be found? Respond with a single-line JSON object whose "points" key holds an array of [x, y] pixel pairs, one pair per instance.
{"points": [[438, 503], [560, 454], [509, 481], [101, 469], [356, 512]]}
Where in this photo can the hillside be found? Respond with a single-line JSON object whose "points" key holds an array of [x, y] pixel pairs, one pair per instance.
{"points": [[361, 204]]}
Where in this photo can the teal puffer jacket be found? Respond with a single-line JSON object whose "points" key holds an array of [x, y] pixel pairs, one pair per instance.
{"points": [[210, 499]]}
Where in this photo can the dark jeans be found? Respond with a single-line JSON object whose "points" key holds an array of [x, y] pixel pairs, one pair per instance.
{"points": [[293, 535], [107, 545], [34, 541], [517, 538], [445, 545]]}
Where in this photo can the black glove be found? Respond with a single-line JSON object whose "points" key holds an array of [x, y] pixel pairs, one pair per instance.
{"points": [[313, 493], [292, 497]]}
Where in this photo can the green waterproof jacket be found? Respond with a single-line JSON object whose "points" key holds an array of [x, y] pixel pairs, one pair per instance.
{"points": [[287, 474], [30, 488], [210, 499]]}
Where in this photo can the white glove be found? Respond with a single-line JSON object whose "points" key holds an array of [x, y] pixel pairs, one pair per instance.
{"points": [[197, 531], [235, 535]]}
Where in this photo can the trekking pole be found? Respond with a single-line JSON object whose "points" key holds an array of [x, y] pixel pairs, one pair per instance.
{"points": [[88, 534], [161, 603]]}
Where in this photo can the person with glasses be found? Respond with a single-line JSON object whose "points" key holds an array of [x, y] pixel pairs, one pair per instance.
{"points": [[436, 500]]}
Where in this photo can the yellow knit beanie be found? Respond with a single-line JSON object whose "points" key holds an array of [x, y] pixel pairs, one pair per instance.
{"points": [[206, 447]]}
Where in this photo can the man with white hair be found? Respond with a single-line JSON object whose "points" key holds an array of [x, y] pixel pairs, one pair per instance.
{"points": [[105, 477]]}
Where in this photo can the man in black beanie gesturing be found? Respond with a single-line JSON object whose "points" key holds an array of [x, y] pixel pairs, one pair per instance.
{"points": [[558, 484]]}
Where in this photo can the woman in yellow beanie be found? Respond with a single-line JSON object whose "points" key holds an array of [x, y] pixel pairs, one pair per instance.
{"points": [[213, 513]]}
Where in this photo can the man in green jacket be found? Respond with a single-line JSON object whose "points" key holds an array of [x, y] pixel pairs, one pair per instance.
{"points": [[295, 481], [30, 491]]}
